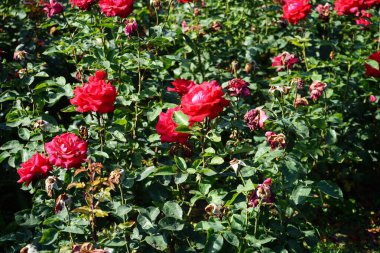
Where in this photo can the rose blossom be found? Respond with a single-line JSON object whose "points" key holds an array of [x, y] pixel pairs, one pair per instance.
{"points": [[300, 101], [284, 59], [120, 8], [275, 140], [371, 71], [237, 87], [67, 150], [37, 166], [363, 18], [316, 89], [181, 86], [53, 8], [263, 193], [323, 11], [130, 27], [347, 6], [295, 10], [255, 119], [184, 1], [95, 96], [166, 127], [82, 4], [204, 100], [372, 99]]}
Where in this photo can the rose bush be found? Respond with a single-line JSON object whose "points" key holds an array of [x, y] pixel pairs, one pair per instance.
{"points": [[200, 131]]}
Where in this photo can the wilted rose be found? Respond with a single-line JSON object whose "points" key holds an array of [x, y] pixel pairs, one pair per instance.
{"points": [[275, 140], [255, 119]]}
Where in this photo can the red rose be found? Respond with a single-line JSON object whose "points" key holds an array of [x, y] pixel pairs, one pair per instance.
{"points": [[37, 166], [82, 4], [295, 10], [181, 86], [347, 6], [96, 95], [284, 59], [185, 1], [111, 8], [166, 127], [370, 71], [67, 150], [204, 100]]}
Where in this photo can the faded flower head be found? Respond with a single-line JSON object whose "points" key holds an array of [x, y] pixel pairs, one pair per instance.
{"points": [[130, 27], [41, 124], [19, 55], [216, 210], [299, 82], [300, 101], [238, 87], [255, 119], [284, 61], [53, 8], [61, 202], [282, 89], [262, 193], [323, 11], [114, 178], [316, 89], [275, 140], [216, 26], [50, 184]]}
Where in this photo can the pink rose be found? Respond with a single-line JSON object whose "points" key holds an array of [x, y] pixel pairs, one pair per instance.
{"points": [[67, 151], [37, 166], [204, 100], [95, 96], [316, 89], [372, 99], [53, 8], [255, 119], [237, 87], [120, 8], [166, 127], [284, 60], [295, 10], [181, 86]]}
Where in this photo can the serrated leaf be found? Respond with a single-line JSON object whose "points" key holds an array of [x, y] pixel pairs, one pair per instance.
{"points": [[180, 118], [172, 209]]}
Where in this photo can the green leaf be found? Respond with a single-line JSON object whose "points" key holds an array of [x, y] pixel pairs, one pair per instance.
{"points": [[330, 189], [181, 163], [217, 160], [144, 222], [49, 236], [231, 238], [146, 173], [374, 64], [172, 209], [300, 194], [214, 243], [157, 241], [180, 118], [170, 223], [24, 133]]}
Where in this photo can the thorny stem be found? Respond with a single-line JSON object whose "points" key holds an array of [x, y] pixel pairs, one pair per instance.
{"points": [[101, 131], [139, 88], [304, 55], [69, 221]]}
